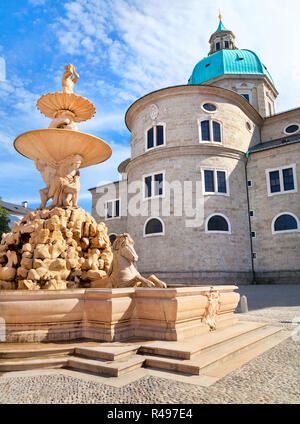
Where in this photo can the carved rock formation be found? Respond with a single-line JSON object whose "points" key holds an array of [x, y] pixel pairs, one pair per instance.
{"points": [[54, 250]]}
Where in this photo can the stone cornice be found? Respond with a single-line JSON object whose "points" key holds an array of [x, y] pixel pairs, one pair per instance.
{"points": [[278, 116], [181, 90], [190, 150], [246, 77]]}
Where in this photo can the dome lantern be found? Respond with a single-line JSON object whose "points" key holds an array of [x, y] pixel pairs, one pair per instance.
{"points": [[222, 38]]}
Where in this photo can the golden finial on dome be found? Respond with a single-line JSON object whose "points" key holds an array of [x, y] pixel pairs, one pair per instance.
{"points": [[220, 16]]}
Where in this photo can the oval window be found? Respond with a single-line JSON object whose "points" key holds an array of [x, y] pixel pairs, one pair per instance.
{"points": [[209, 107], [291, 129]]}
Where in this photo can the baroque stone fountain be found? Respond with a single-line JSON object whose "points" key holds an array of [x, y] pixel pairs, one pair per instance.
{"points": [[61, 246], [59, 278]]}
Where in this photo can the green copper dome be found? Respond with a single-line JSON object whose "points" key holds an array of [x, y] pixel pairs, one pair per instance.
{"points": [[225, 61]]}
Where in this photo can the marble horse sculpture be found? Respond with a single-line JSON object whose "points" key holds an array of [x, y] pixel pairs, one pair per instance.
{"points": [[123, 272]]}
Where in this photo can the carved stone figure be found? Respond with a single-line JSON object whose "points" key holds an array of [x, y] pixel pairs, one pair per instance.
{"points": [[64, 189], [212, 308], [64, 119], [67, 81], [122, 272], [47, 171], [62, 181]]}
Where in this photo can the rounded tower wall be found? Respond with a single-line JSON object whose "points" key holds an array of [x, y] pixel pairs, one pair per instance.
{"points": [[180, 110], [182, 160]]}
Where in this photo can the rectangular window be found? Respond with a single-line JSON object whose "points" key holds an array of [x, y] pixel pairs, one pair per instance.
{"points": [[159, 135], [112, 208], [154, 185], [109, 208], [210, 130], [218, 45], [281, 180], [117, 208], [150, 139], [253, 234], [205, 133], [155, 136], [158, 184], [274, 181], [249, 183], [288, 179], [209, 181], [215, 181], [226, 44], [251, 213], [221, 177], [148, 186], [216, 131]]}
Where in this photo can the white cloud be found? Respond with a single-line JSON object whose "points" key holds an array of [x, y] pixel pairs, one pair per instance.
{"points": [[154, 44], [2, 69], [104, 121]]}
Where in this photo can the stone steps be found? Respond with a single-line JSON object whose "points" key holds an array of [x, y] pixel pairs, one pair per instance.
{"points": [[109, 353], [189, 348], [25, 364], [222, 368], [30, 353], [214, 354], [220, 353], [109, 368]]}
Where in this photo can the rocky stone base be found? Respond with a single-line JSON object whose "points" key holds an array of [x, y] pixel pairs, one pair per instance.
{"points": [[54, 250]]}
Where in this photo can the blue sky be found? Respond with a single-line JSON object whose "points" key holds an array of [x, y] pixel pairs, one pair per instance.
{"points": [[121, 50]]}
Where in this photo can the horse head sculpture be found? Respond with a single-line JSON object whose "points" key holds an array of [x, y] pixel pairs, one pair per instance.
{"points": [[123, 244], [123, 272]]}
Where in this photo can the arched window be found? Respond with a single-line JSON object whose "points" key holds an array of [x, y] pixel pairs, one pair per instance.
{"points": [[210, 130], [285, 222], [155, 136], [154, 226], [218, 223], [112, 238]]}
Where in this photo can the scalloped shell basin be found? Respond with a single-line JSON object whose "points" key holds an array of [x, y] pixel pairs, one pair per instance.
{"points": [[51, 103], [54, 144]]}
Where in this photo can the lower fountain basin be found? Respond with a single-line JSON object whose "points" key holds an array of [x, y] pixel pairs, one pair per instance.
{"points": [[113, 314]]}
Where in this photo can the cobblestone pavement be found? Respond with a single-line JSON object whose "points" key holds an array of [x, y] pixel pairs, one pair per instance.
{"points": [[273, 377]]}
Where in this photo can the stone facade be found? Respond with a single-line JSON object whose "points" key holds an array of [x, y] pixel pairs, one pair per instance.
{"points": [[262, 93], [252, 140], [277, 254]]}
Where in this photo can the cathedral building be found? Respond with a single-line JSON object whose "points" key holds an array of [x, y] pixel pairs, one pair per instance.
{"points": [[218, 143]]}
